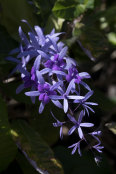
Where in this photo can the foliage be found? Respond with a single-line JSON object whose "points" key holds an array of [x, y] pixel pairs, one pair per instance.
{"points": [[92, 22]]}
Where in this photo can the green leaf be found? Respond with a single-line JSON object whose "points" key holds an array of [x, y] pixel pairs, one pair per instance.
{"points": [[53, 22], [10, 90], [74, 164], [94, 40], [36, 149], [7, 147], [12, 12], [44, 121], [6, 45], [112, 127], [89, 4], [64, 9], [43, 10], [25, 165], [104, 102]]}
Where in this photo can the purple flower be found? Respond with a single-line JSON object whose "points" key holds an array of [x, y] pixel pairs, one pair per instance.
{"points": [[98, 148], [85, 104], [65, 96], [78, 124], [58, 124], [73, 74], [75, 146], [55, 64], [52, 76], [95, 135], [45, 92]]}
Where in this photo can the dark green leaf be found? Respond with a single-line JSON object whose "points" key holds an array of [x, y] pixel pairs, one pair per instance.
{"points": [[64, 9], [44, 122], [7, 147], [25, 165], [94, 40], [36, 149], [12, 12], [74, 164], [10, 90]]}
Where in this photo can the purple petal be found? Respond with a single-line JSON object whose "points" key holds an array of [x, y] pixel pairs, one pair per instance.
{"points": [[61, 133], [54, 116], [23, 36], [45, 71], [86, 110], [13, 59], [96, 133], [86, 124], [70, 62], [26, 53], [14, 51], [90, 109], [40, 35], [80, 117], [22, 70], [57, 103], [32, 93], [56, 85], [72, 130], [33, 40], [37, 62], [41, 107], [39, 77], [43, 54], [69, 87], [25, 21], [41, 97], [65, 105], [72, 118], [85, 85], [79, 150], [88, 95], [91, 103], [74, 149], [76, 101], [80, 133], [75, 97], [20, 88], [56, 97], [63, 52], [84, 75]]}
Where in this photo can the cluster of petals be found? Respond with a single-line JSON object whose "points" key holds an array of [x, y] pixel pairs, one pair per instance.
{"points": [[50, 75]]}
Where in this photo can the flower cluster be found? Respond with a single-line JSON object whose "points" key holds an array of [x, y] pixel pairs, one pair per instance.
{"points": [[49, 74]]}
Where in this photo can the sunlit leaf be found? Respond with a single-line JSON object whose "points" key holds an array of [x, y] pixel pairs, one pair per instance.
{"points": [[112, 127], [36, 149], [64, 9]]}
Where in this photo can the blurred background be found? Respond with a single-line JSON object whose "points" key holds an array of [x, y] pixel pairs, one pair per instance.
{"points": [[93, 23]]}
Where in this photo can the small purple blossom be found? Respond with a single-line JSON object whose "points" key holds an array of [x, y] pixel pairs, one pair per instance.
{"points": [[58, 124], [75, 147], [45, 92], [86, 104], [55, 63], [78, 124]]}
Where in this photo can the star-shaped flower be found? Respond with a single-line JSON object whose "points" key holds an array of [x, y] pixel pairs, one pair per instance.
{"points": [[78, 124]]}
